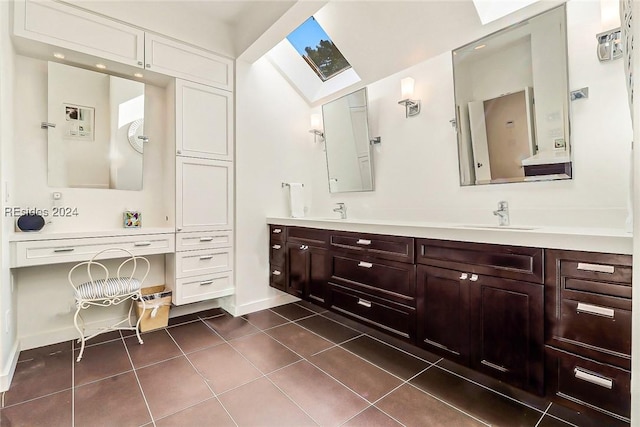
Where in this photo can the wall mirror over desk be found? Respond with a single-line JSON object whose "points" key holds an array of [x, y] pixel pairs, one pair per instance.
{"points": [[512, 103], [97, 140]]}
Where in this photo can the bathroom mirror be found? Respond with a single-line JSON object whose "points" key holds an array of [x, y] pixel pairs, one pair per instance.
{"points": [[97, 140], [346, 134], [512, 103]]}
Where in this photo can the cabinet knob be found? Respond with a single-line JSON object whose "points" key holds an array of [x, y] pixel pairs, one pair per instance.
{"points": [[474, 278], [304, 247], [139, 62], [148, 65], [276, 273], [463, 276], [179, 151], [179, 228], [276, 247]]}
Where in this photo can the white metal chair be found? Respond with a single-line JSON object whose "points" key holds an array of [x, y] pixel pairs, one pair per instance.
{"points": [[108, 290]]}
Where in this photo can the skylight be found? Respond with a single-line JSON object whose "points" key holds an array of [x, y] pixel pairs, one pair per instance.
{"points": [[317, 49]]}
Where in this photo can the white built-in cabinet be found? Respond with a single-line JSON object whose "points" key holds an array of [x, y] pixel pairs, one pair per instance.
{"points": [[204, 193], [204, 121], [201, 268]]}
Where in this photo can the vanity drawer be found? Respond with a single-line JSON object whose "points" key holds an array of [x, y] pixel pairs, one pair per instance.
{"points": [[203, 240], [397, 319], [594, 267], [204, 261], [385, 247], [277, 253], [308, 236], [43, 252], [579, 380], [509, 262], [389, 279], [277, 233], [202, 288], [278, 278]]}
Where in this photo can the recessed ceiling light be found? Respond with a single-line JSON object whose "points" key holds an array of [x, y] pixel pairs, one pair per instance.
{"points": [[101, 66], [58, 55], [480, 46], [139, 75]]}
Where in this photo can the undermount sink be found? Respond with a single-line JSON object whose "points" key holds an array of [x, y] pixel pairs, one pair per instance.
{"points": [[498, 227]]}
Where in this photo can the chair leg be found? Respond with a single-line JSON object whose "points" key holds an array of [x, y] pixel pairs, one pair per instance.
{"points": [[139, 317], [80, 331]]}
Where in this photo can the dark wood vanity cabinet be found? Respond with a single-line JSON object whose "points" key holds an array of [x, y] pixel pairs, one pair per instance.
{"points": [[482, 306], [588, 330], [277, 257]]}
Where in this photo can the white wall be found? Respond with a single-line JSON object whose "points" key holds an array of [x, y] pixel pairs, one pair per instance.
{"points": [[8, 335]]}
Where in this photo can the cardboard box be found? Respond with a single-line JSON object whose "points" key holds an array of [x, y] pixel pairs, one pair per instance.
{"points": [[157, 304]]}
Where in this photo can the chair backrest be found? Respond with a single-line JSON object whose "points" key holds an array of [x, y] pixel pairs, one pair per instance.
{"points": [[112, 285]]}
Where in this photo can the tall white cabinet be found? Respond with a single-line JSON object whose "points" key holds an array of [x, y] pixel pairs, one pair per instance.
{"points": [[204, 193]]}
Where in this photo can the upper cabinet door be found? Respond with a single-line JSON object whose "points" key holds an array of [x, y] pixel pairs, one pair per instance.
{"points": [[204, 125], [67, 27], [176, 59]]}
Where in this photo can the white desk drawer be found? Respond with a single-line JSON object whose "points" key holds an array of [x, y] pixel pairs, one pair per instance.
{"points": [[204, 240], [55, 251], [204, 261], [202, 288]]}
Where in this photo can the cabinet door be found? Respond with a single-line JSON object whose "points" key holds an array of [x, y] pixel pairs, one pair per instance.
{"points": [[204, 125], [68, 27], [319, 272], [204, 194], [176, 59], [299, 258], [443, 312], [507, 331]]}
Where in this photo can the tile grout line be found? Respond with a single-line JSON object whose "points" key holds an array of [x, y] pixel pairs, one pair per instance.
{"points": [[487, 387], [560, 419], [144, 397], [542, 416], [215, 395]]}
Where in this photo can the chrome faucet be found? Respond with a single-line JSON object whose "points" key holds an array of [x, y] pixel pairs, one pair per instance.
{"points": [[502, 213], [342, 208]]}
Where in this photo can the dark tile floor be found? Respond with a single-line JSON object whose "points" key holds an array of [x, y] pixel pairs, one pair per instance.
{"points": [[293, 365]]}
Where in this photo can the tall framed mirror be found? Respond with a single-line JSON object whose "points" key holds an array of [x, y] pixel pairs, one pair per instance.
{"points": [[512, 103], [346, 132], [97, 141]]}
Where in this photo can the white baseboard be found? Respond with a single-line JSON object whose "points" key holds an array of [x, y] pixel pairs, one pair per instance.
{"points": [[10, 367], [250, 307]]}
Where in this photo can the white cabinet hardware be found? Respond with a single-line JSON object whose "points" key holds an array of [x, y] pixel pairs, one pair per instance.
{"points": [[593, 378], [594, 309], [365, 264], [474, 278], [463, 276], [142, 244], [599, 268], [205, 257], [206, 282], [364, 303], [276, 273], [363, 242], [276, 247], [64, 249]]}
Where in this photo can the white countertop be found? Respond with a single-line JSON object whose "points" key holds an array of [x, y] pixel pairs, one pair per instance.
{"points": [[606, 240], [547, 158], [44, 234]]}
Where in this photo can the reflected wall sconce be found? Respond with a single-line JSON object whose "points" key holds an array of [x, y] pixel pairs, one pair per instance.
{"points": [[315, 128], [610, 45], [411, 106]]}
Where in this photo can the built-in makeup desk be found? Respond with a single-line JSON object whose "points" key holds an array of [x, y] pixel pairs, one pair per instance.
{"points": [[43, 248]]}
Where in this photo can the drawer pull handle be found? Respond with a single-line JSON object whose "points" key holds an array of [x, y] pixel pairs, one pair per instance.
{"points": [[64, 249], [276, 247], [207, 282], [594, 309], [593, 378], [365, 264], [363, 242], [494, 366], [463, 276], [474, 278], [205, 257], [276, 273], [277, 230], [364, 303], [206, 239], [142, 244], [610, 269]]}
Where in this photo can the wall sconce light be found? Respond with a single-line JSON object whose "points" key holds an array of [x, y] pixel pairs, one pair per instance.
{"points": [[411, 106], [315, 128], [609, 45]]}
